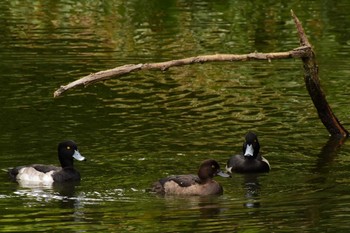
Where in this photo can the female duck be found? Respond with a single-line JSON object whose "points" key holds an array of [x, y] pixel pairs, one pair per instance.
{"points": [[250, 161], [201, 185], [38, 174]]}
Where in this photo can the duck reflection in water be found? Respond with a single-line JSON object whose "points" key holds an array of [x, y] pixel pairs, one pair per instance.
{"points": [[207, 206], [252, 190], [56, 191]]}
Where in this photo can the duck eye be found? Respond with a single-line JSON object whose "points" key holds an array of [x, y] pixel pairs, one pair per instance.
{"points": [[68, 147]]}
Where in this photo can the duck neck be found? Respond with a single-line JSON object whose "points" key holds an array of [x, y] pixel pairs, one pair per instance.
{"points": [[203, 177], [249, 157], [65, 163]]}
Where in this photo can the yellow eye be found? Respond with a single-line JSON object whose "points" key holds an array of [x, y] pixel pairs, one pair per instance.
{"points": [[68, 147]]}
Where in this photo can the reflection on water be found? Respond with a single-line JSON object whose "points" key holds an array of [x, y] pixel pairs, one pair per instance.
{"points": [[328, 153], [252, 188], [148, 125]]}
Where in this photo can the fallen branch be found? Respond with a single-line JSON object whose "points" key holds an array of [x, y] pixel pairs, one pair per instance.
{"points": [[300, 52], [312, 82], [305, 52]]}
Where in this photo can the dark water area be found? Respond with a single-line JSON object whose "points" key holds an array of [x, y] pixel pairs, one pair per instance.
{"points": [[147, 125]]}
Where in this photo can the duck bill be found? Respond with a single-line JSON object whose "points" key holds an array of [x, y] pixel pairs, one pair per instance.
{"points": [[223, 174], [78, 156], [249, 151]]}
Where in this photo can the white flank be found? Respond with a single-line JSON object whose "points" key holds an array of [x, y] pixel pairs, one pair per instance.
{"points": [[265, 160], [31, 176]]}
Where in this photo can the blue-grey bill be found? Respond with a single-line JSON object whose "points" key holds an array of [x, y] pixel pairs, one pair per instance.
{"points": [[78, 156], [223, 174]]}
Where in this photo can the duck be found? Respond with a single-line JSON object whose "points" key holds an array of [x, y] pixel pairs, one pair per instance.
{"points": [[193, 185], [250, 161], [39, 174]]}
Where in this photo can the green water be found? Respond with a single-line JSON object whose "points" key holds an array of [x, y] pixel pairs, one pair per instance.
{"points": [[141, 127]]}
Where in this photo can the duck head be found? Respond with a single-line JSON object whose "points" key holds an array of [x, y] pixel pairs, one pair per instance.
{"points": [[68, 150], [251, 145], [210, 168]]}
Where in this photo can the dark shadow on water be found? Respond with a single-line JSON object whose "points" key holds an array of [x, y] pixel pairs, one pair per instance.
{"points": [[62, 196], [328, 153], [66, 189], [252, 190], [323, 183], [67, 192], [324, 163], [70, 200], [208, 206]]}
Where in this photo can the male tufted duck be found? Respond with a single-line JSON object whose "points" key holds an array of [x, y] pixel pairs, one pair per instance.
{"points": [[250, 161], [201, 185], [38, 174]]}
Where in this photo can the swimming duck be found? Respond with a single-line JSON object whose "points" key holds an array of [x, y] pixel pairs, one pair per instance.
{"points": [[202, 184], [48, 174], [250, 161]]}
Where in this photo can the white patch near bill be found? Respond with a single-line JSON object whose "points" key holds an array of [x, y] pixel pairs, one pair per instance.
{"points": [[32, 176], [249, 151], [228, 169]]}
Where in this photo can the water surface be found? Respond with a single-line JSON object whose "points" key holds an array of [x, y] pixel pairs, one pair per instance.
{"points": [[141, 127]]}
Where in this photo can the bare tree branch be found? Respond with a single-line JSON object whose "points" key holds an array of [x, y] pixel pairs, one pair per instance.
{"points": [[305, 52], [312, 82], [300, 52]]}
